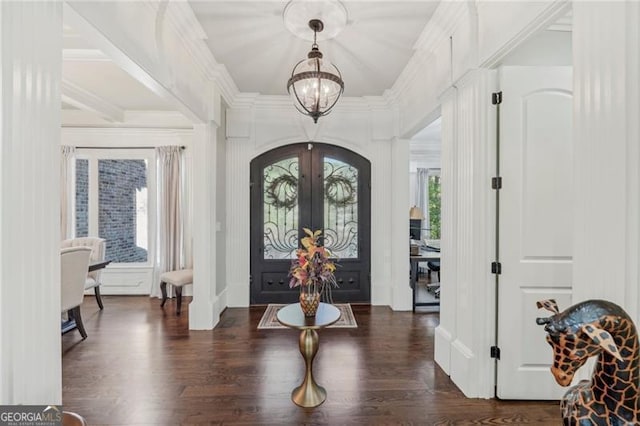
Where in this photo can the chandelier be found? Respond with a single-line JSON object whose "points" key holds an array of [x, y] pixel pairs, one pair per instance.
{"points": [[315, 85]]}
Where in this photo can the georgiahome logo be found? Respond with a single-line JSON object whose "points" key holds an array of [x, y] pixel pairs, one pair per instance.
{"points": [[30, 415]]}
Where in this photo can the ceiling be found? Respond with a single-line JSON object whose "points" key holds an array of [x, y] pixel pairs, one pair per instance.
{"points": [[251, 40], [259, 52]]}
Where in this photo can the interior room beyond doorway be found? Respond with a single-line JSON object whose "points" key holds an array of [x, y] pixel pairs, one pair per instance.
{"points": [[424, 211]]}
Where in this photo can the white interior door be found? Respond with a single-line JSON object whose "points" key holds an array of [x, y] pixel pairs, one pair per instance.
{"points": [[535, 223]]}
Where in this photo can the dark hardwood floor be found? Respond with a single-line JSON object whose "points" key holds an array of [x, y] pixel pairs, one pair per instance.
{"points": [[141, 365]]}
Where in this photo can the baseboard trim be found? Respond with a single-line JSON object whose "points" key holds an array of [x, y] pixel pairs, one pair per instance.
{"points": [[442, 348], [463, 371]]}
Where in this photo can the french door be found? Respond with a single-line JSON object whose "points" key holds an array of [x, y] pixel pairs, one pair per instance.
{"points": [[315, 186]]}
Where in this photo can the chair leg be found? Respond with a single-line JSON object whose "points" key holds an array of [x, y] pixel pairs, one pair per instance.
{"points": [[163, 289], [178, 299], [78, 318], [96, 289]]}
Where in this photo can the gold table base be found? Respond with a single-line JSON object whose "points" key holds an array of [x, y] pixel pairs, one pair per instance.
{"points": [[308, 394]]}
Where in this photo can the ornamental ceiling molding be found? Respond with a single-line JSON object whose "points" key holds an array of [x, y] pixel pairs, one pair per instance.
{"points": [[181, 17], [447, 17], [553, 11]]}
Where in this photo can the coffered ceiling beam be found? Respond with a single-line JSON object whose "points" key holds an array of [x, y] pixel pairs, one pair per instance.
{"points": [[104, 25], [87, 101]]}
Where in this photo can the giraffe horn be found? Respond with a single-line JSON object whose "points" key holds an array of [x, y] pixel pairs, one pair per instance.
{"points": [[549, 305]]}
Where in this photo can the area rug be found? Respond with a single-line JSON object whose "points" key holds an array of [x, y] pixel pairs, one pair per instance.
{"points": [[269, 320]]}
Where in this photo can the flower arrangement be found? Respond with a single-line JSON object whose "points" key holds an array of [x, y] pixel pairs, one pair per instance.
{"points": [[313, 269]]}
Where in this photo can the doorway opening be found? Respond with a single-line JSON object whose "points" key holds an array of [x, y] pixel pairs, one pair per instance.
{"points": [[424, 220]]}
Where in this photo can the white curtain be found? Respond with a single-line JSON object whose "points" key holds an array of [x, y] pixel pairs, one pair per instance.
{"points": [[422, 198], [170, 214], [67, 189]]}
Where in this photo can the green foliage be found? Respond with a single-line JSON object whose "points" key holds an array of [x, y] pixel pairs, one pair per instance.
{"points": [[434, 207]]}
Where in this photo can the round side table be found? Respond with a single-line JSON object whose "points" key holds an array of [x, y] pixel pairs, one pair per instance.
{"points": [[309, 393]]}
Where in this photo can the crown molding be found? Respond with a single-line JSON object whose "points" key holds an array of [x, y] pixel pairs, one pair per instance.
{"points": [[440, 27], [416, 64], [442, 24], [245, 100], [554, 10], [183, 19]]}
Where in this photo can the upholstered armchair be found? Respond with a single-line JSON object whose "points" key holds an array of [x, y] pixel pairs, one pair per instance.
{"points": [[74, 262], [98, 248]]}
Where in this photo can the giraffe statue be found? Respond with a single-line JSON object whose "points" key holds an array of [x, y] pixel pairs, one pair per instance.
{"points": [[595, 327]]}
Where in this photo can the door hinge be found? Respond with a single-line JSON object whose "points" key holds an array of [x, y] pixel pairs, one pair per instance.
{"points": [[496, 182], [496, 268], [495, 352], [496, 98]]}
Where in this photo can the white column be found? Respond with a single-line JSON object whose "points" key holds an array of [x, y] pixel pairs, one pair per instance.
{"points": [[30, 61], [238, 197], [401, 291], [467, 308], [606, 151], [203, 314], [445, 332], [474, 205]]}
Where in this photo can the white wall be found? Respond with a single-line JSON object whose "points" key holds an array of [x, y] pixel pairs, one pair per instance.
{"points": [[546, 48], [272, 122]]}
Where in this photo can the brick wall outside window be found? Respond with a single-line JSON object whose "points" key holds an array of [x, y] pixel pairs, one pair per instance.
{"points": [[119, 182]]}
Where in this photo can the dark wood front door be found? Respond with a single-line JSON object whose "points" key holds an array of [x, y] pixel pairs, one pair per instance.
{"points": [[315, 186]]}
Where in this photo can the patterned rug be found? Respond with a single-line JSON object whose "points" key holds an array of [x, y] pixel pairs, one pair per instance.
{"points": [[269, 320]]}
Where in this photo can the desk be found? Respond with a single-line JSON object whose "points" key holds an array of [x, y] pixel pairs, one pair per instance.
{"points": [[424, 256], [308, 394]]}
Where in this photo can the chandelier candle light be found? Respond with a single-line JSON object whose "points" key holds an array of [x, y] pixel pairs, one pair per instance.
{"points": [[315, 85]]}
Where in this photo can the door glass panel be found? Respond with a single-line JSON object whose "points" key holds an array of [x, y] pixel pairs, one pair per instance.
{"points": [[281, 209], [123, 209], [340, 208]]}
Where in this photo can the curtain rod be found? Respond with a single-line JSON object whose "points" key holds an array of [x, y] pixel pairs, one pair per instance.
{"points": [[121, 147]]}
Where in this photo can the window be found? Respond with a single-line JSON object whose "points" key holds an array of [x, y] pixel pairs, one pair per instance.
{"points": [[113, 201], [433, 194]]}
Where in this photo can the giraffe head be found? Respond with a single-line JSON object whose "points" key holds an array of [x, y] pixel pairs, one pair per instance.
{"points": [[578, 333]]}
